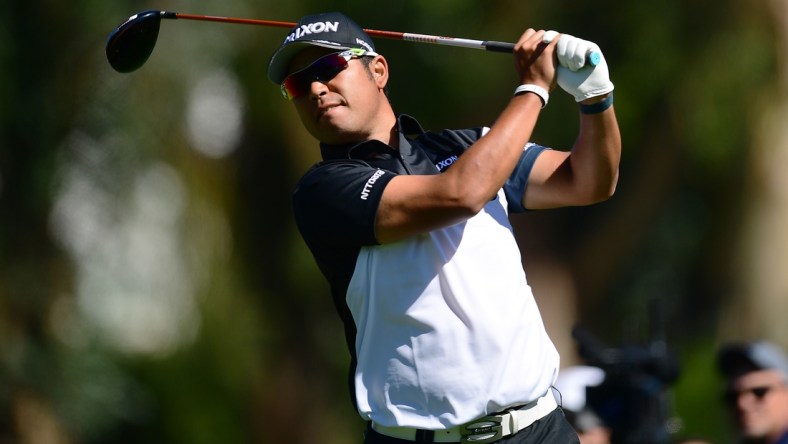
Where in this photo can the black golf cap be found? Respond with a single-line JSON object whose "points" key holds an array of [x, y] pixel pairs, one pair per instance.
{"points": [[737, 359], [329, 30]]}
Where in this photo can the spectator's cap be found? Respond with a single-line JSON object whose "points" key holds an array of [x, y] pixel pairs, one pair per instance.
{"points": [[738, 358], [329, 30]]}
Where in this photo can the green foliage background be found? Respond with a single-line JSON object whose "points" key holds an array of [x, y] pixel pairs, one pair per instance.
{"points": [[111, 220]]}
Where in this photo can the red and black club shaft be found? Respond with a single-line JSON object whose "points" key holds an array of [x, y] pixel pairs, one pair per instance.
{"points": [[130, 44]]}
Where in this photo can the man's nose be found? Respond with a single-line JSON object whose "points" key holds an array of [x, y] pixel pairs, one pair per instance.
{"points": [[317, 88]]}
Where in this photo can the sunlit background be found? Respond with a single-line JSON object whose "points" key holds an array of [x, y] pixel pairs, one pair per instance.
{"points": [[153, 286]]}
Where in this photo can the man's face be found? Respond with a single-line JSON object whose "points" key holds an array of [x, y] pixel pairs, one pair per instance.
{"points": [[759, 401], [345, 108]]}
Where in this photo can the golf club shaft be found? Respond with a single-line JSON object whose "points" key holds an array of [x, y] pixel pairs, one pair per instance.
{"points": [[410, 37], [130, 44]]}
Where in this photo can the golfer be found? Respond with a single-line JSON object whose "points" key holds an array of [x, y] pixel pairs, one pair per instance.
{"points": [[410, 228]]}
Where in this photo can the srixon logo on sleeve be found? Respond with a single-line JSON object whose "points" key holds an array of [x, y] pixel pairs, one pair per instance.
{"points": [[446, 163], [312, 28]]}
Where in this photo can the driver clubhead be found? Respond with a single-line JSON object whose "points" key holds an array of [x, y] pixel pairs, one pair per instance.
{"points": [[130, 44]]}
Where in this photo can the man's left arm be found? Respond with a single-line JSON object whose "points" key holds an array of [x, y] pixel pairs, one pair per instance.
{"points": [[588, 173]]}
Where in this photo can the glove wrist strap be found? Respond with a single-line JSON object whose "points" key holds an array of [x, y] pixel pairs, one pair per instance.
{"points": [[596, 108]]}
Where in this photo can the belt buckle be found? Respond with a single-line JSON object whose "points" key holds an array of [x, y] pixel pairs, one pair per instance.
{"points": [[483, 430]]}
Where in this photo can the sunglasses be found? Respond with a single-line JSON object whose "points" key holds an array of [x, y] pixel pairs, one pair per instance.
{"points": [[731, 397], [323, 69]]}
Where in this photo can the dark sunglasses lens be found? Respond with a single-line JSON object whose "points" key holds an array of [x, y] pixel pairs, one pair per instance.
{"points": [[732, 396], [294, 86], [324, 68]]}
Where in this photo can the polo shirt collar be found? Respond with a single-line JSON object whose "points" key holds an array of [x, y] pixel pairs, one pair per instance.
{"points": [[408, 129]]}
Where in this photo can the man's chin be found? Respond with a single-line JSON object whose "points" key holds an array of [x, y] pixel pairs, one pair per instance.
{"points": [[752, 431], [337, 136]]}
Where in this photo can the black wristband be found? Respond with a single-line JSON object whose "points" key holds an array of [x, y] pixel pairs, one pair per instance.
{"points": [[598, 107]]}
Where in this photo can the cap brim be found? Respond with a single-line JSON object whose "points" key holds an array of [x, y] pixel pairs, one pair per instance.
{"points": [[280, 61]]}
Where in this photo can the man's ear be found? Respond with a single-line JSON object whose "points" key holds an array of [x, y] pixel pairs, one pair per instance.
{"points": [[380, 71]]}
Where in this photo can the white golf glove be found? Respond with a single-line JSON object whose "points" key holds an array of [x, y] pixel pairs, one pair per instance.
{"points": [[574, 76]]}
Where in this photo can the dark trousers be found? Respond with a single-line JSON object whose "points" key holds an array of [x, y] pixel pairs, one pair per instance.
{"points": [[552, 429]]}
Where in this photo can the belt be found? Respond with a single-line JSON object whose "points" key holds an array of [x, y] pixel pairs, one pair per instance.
{"points": [[483, 430]]}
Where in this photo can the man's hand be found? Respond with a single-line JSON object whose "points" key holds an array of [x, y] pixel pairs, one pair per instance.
{"points": [[534, 60], [574, 75]]}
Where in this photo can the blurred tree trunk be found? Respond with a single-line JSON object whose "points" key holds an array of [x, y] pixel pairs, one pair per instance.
{"points": [[760, 300], [32, 268]]}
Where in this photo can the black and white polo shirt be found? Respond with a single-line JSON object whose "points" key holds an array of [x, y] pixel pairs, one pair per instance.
{"points": [[442, 327]]}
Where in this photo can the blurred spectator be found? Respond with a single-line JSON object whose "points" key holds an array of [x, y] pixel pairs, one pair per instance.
{"points": [[757, 390], [570, 390]]}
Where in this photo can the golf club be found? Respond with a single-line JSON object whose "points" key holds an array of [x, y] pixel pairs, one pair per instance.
{"points": [[130, 44]]}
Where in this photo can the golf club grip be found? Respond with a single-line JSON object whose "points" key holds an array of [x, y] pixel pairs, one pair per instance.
{"points": [[592, 58], [494, 46]]}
